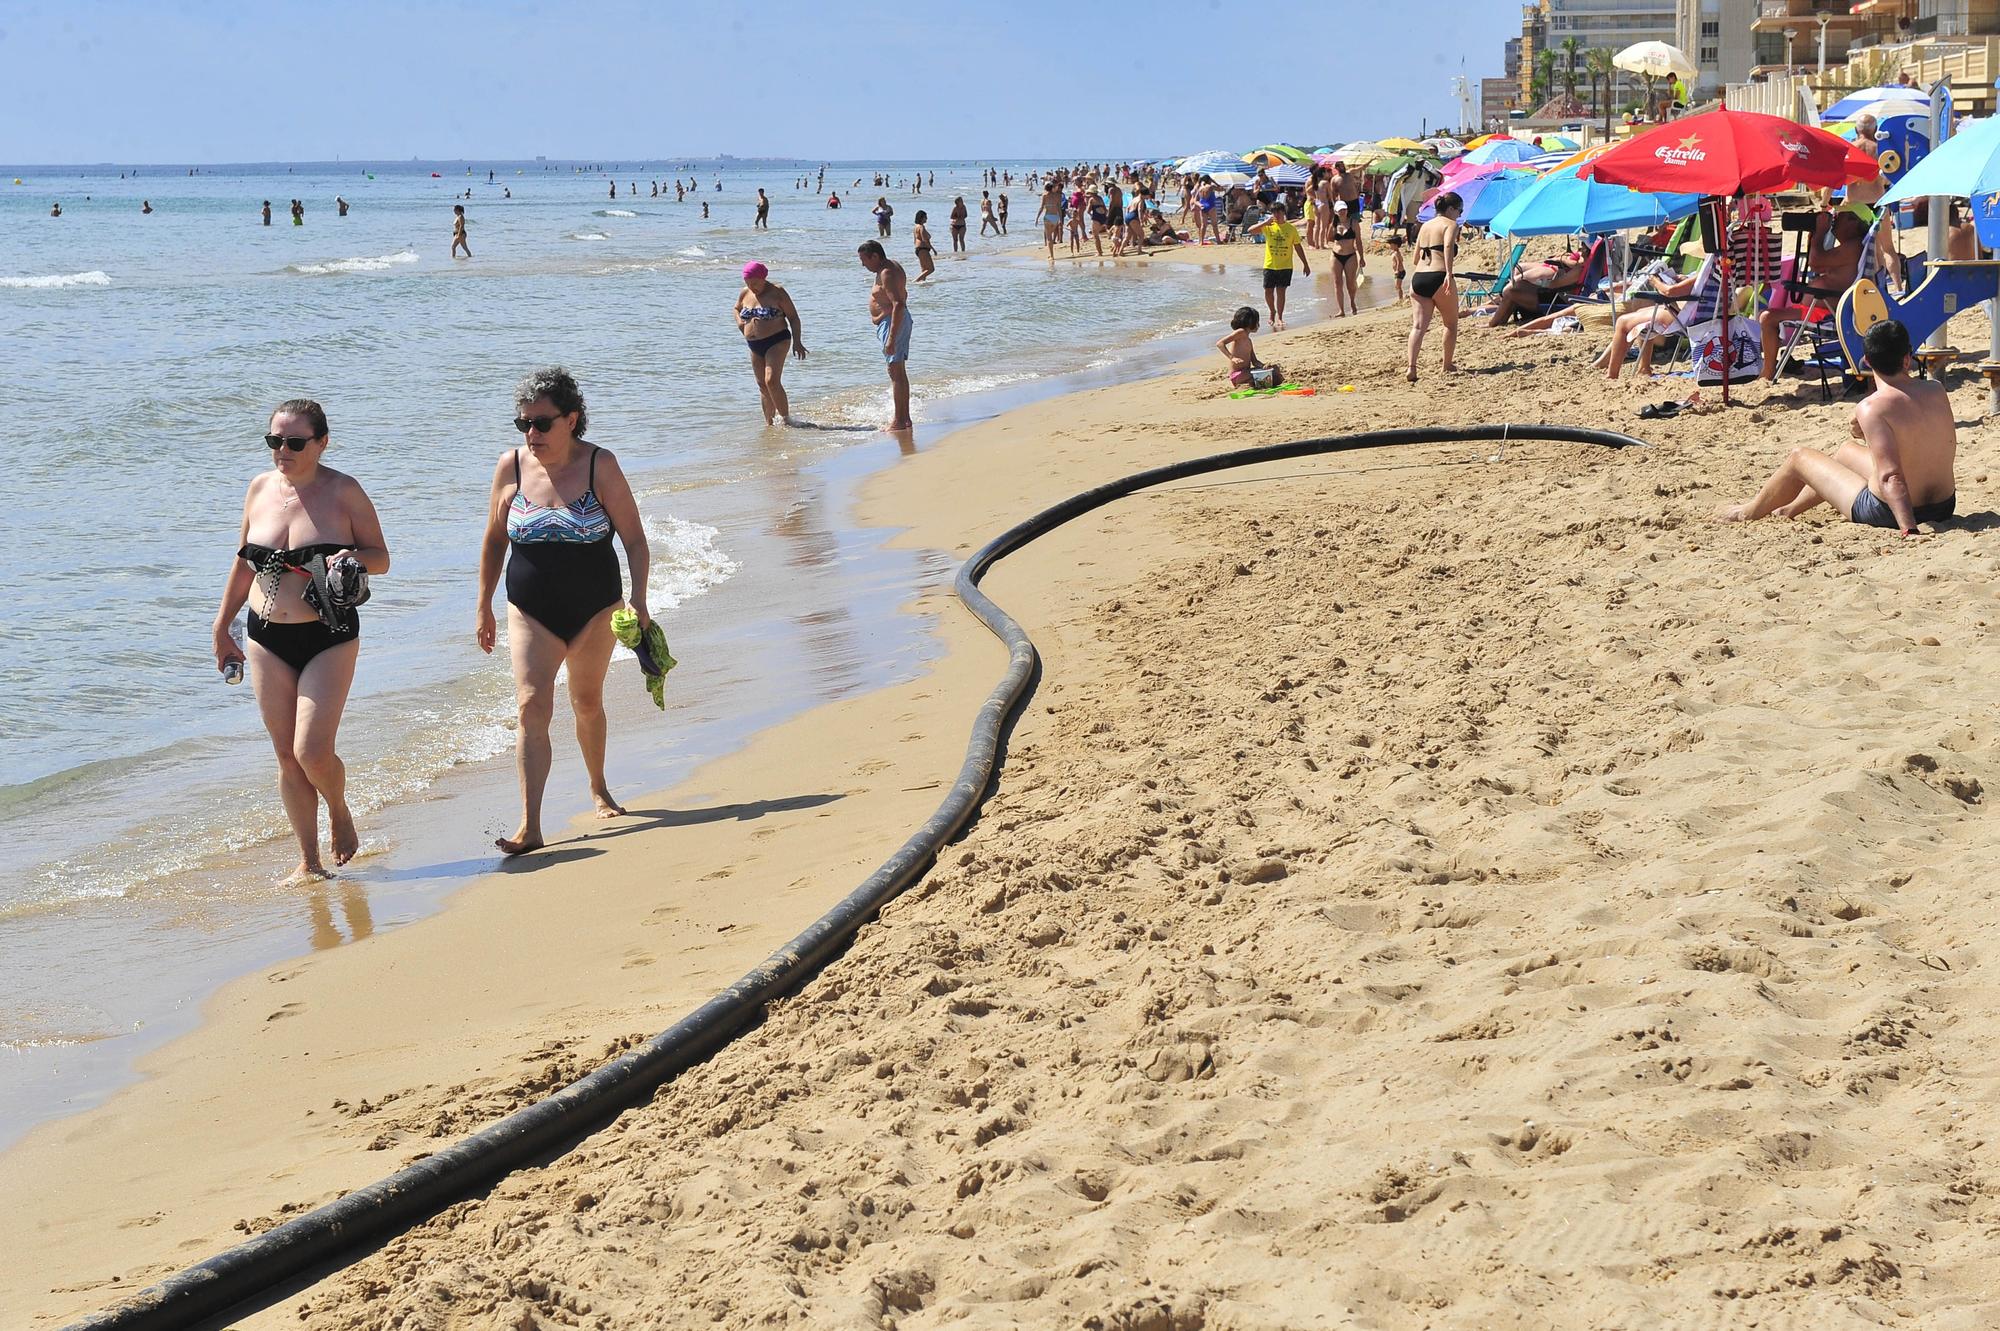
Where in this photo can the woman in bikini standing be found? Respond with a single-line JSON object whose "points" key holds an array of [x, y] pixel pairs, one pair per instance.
{"points": [[1344, 236], [770, 326], [562, 582], [1431, 287], [1052, 216], [296, 517]]}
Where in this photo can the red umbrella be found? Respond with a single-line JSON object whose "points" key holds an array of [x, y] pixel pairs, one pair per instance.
{"points": [[1727, 152]]}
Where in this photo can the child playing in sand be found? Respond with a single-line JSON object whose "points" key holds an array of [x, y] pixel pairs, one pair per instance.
{"points": [[1236, 347]]}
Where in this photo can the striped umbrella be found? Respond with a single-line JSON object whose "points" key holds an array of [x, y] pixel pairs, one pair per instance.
{"points": [[1208, 163]]}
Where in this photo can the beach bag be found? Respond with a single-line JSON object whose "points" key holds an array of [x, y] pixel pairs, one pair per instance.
{"points": [[1744, 355], [1266, 376]]}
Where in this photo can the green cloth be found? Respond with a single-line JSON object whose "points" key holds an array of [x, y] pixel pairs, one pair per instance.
{"points": [[625, 627]]}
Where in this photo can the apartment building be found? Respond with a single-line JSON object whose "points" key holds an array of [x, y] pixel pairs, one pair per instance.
{"points": [[1717, 36]]}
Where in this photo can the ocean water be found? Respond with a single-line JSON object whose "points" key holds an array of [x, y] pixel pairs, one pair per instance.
{"points": [[140, 834]]}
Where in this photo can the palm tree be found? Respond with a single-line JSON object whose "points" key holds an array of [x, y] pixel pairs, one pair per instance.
{"points": [[1545, 76], [1597, 62], [1570, 47]]}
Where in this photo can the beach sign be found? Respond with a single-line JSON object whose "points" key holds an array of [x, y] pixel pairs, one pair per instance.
{"points": [[1986, 219]]}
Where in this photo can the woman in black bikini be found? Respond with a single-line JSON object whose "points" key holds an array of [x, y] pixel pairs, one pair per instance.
{"points": [[296, 518], [1431, 288], [770, 326], [1344, 236], [562, 582]]}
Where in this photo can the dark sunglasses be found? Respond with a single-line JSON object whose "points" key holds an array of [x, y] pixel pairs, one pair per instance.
{"points": [[274, 442], [542, 423]]}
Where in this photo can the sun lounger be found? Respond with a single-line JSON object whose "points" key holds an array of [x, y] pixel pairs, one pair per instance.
{"points": [[1487, 286]]}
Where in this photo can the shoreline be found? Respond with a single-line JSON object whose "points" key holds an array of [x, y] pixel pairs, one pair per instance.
{"points": [[178, 1083], [412, 832]]}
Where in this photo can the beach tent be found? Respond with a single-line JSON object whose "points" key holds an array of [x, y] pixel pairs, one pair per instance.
{"points": [[1563, 203]]}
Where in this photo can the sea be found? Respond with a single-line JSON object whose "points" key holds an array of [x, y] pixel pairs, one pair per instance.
{"points": [[141, 839]]}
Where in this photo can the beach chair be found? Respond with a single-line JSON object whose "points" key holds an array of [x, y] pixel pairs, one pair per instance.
{"points": [[1819, 332], [1698, 307], [1487, 286], [1589, 287]]}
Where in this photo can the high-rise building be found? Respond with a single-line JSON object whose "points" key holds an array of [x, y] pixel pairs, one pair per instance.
{"points": [[1608, 24], [1534, 29], [1496, 99], [1716, 34]]}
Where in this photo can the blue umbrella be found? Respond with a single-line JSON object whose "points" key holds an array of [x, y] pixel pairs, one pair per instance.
{"points": [[1487, 195], [1289, 175], [1562, 202], [1967, 164], [1203, 164], [1863, 102], [1503, 150]]}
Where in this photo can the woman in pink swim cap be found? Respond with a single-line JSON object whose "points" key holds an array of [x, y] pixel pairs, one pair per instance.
{"points": [[768, 320]]}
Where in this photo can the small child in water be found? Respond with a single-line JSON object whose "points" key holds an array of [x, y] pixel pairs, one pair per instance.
{"points": [[1236, 347]]}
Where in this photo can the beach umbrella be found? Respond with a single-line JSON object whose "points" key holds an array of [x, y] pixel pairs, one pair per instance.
{"points": [[1482, 140], [1556, 142], [1657, 59], [1563, 202], [1389, 166], [1361, 154], [1462, 171], [1726, 152], [1290, 174], [1487, 195], [1202, 164], [1229, 179], [1856, 104], [1399, 145], [1278, 154], [1502, 150], [1445, 146], [1967, 164]]}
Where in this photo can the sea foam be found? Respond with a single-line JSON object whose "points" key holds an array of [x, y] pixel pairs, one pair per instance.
{"points": [[365, 264], [90, 279], [614, 212]]}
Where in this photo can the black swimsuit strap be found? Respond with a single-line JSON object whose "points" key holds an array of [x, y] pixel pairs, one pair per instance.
{"points": [[594, 451], [517, 471]]}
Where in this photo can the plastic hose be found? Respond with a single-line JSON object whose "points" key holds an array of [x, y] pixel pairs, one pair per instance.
{"points": [[338, 1232]]}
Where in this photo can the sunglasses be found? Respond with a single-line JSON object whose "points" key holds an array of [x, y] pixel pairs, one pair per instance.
{"points": [[274, 442], [542, 423]]}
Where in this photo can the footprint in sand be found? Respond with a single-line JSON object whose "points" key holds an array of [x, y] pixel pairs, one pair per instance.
{"points": [[288, 1010]]}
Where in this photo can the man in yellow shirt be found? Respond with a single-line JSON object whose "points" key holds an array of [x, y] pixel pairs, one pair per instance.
{"points": [[1281, 248]]}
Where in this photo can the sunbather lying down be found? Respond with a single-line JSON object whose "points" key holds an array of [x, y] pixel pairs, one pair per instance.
{"points": [[1903, 475], [1535, 285]]}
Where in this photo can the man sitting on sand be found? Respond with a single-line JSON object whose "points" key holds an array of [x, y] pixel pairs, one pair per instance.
{"points": [[1904, 474]]}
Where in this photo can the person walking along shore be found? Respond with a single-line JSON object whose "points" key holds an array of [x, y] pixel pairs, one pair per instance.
{"points": [[304, 524], [562, 582]]}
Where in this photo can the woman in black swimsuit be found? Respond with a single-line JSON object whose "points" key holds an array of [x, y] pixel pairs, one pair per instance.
{"points": [[770, 326], [1431, 288], [1344, 236], [562, 581], [296, 517]]}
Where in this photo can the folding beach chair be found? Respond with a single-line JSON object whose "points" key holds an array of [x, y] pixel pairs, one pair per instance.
{"points": [[1487, 286], [1819, 330], [1697, 307], [1589, 287]]}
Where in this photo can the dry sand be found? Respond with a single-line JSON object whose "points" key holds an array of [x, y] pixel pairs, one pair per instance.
{"points": [[1451, 887]]}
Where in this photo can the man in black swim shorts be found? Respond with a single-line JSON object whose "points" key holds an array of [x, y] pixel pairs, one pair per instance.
{"points": [[1899, 475]]}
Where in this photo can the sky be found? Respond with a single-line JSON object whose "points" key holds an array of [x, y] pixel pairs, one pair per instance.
{"points": [[188, 81]]}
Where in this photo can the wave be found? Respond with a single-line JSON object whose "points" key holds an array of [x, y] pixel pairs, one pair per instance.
{"points": [[614, 212], [686, 561], [588, 235], [90, 279], [374, 264], [693, 252]]}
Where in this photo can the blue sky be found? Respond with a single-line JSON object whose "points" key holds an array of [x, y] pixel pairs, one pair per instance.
{"points": [[192, 81]]}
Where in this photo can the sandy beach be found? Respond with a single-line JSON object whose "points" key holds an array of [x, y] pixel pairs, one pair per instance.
{"points": [[1445, 887]]}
